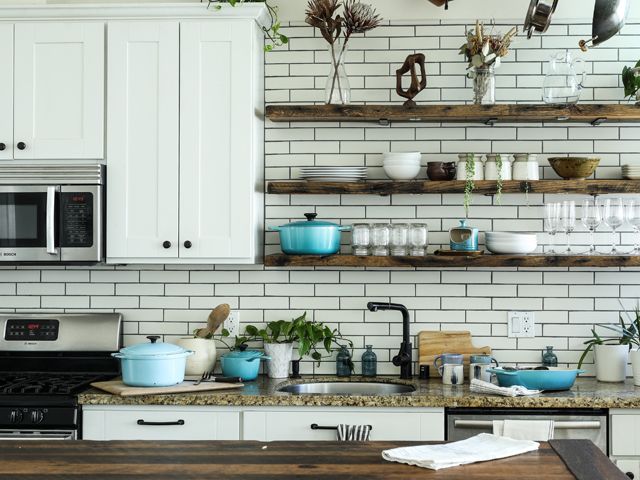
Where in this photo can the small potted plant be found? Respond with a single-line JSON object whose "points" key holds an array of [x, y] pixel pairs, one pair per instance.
{"points": [[631, 82]]}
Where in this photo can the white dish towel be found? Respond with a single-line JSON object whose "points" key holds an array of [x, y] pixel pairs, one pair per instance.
{"points": [[479, 386], [481, 448], [536, 430]]}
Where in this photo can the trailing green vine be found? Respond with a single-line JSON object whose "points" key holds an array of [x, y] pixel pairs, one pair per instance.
{"points": [[469, 187], [499, 184]]}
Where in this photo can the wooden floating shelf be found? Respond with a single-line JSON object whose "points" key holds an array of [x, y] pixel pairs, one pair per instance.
{"points": [[594, 114], [436, 261], [486, 187]]}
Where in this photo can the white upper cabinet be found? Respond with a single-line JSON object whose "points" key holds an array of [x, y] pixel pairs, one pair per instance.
{"points": [[142, 139], [58, 90], [6, 92]]}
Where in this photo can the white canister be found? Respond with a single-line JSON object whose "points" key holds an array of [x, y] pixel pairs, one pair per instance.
{"points": [[278, 364], [204, 355], [479, 371], [526, 166], [491, 171], [452, 374], [462, 167], [611, 362], [634, 355]]}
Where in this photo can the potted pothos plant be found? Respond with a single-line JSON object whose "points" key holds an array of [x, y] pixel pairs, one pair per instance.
{"points": [[631, 82]]}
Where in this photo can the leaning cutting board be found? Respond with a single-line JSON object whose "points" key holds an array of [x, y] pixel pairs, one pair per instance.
{"points": [[116, 387], [432, 344]]}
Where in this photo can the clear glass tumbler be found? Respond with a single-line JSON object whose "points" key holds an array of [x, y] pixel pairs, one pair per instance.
{"points": [[418, 240], [380, 233], [399, 239], [552, 224], [361, 239]]}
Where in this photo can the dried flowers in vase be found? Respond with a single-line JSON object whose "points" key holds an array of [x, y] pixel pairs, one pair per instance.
{"points": [[337, 29], [484, 52]]}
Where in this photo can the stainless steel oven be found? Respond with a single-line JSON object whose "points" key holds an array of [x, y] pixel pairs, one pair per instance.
{"points": [[52, 213]]}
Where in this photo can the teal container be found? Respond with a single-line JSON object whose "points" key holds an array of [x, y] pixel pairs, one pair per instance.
{"points": [[310, 237]]}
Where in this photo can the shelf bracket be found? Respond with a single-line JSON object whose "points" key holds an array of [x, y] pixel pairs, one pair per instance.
{"points": [[491, 122], [599, 121], [383, 122]]}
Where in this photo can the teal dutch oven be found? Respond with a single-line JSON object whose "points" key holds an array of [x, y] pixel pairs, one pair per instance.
{"points": [[310, 237], [245, 365]]}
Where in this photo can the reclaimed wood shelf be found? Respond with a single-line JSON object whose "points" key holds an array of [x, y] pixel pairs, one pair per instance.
{"points": [[436, 261], [486, 187], [594, 114]]}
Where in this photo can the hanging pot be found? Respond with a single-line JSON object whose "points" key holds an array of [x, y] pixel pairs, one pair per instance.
{"points": [[609, 17], [310, 237]]}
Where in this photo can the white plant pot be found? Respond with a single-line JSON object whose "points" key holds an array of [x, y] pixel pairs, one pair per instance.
{"points": [[611, 362], [204, 357], [634, 355], [280, 353]]}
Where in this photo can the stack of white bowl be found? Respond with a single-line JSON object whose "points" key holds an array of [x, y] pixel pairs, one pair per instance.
{"points": [[511, 243], [402, 165], [631, 172]]}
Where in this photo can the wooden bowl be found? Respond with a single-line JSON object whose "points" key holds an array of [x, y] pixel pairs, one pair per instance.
{"points": [[574, 168]]}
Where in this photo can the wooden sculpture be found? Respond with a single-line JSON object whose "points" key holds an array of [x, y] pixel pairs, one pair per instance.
{"points": [[416, 85]]}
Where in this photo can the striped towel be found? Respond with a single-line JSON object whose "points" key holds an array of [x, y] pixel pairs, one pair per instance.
{"points": [[353, 433]]}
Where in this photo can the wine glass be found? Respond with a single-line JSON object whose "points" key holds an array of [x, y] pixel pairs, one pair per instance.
{"points": [[614, 218], [633, 218], [568, 221], [591, 219], [552, 224]]}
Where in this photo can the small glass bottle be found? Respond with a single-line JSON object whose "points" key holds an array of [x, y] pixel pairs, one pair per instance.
{"points": [[343, 363], [369, 363], [549, 359]]}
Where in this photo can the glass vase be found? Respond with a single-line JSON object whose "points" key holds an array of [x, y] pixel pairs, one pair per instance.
{"points": [[337, 89], [369, 363], [484, 85]]}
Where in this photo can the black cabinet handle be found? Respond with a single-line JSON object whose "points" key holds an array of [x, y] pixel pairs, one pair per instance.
{"points": [[160, 424], [22, 145], [188, 244], [2, 147], [315, 426], [167, 244], [630, 475]]}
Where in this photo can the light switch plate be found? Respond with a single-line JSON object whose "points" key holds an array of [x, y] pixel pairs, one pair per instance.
{"points": [[232, 323], [521, 325]]}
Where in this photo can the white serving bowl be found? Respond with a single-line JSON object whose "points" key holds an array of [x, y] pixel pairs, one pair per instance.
{"points": [[521, 246], [402, 172], [395, 163], [410, 157]]}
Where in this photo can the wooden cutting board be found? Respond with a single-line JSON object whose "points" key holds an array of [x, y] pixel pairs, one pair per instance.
{"points": [[432, 344], [116, 387]]}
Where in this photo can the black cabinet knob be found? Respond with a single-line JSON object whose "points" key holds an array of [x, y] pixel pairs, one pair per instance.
{"points": [[167, 244], [2, 147], [22, 145], [630, 475], [188, 244]]}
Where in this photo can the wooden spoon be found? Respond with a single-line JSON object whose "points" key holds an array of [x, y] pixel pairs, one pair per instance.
{"points": [[216, 318]]}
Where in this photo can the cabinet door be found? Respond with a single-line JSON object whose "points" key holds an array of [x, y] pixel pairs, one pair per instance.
{"points": [[6, 92], [59, 90], [142, 140], [625, 435], [217, 111]]}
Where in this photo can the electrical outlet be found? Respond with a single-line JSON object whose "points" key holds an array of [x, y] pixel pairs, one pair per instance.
{"points": [[232, 323], [521, 325]]}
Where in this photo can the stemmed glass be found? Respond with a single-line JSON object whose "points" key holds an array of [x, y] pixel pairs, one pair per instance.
{"points": [[552, 224], [633, 218], [614, 218], [568, 221], [591, 219]]}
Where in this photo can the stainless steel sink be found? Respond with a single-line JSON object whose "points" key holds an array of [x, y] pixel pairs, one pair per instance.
{"points": [[348, 388]]}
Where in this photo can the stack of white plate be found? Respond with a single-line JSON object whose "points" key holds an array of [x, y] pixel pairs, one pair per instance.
{"points": [[511, 243], [333, 174], [631, 172], [401, 165]]}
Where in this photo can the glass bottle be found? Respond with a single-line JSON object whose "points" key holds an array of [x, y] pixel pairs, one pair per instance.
{"points": [[337, 88], [549, 359], [343, 363], [369, 363], [484, 85]]}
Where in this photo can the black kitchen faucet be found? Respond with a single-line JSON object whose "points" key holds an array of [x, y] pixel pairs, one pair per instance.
{"points": [[403, 359]]}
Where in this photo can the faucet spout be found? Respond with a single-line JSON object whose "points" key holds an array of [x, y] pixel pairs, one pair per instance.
{"points": [[404, 358]]}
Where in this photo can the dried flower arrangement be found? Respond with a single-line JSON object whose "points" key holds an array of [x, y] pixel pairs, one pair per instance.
{"points": [[356, 18]]}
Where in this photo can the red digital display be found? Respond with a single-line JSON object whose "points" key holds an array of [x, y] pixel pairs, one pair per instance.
{"points": [[78, 198], [33, 326]]}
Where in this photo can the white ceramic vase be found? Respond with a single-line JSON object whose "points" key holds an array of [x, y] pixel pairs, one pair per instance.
{"points": [[611, 362], [634, 355], [204, 357], [280, 353]]}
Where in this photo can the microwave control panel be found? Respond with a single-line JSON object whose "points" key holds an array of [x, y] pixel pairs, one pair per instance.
{"points": [[30, 329], [77, 219]]}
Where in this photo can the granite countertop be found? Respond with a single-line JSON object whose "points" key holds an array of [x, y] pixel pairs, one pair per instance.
{"points": [[586, 393]]}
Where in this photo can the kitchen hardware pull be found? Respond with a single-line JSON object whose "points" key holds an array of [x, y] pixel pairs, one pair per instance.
{"points": [[188, 244], [32, 435], [315, 426], [22, 145], [160, 424], [51, 220], [166, 244], [558, 425], [2, 147]]}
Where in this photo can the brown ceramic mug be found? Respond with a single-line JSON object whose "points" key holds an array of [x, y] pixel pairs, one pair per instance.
{"points": [[439, 171]]}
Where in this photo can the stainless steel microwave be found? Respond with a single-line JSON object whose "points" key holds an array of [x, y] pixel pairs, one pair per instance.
{"points": [[52, 213]]}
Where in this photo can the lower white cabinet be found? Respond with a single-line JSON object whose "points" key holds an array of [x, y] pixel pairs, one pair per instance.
{"points": [[159, 423], [294, 424], [624, 441]]}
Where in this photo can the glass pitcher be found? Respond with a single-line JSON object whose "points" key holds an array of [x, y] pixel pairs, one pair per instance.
{"points": [[562, 84]]}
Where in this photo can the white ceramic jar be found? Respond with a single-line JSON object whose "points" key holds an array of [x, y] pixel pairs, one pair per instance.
{"points": [[462, 167], [491, 170], [204, 355], [526, 166]]}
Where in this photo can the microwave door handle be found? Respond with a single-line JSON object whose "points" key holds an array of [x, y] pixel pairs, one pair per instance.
{"points": [[51, 221], [483, 424]]}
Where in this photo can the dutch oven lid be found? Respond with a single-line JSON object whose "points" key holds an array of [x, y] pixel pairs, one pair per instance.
{"points": [[152, 349], [311, 222]]}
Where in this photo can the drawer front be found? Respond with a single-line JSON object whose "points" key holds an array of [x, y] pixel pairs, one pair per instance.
{"points": [[625, 435], [296, 426], [160, 424]]}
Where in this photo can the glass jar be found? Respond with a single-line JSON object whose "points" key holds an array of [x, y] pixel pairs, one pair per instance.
{"points": [[380, 234], [343, 363], [549, 359], [418, 239], [399, 239], [361, 239], [369, 363], [484, 85]]}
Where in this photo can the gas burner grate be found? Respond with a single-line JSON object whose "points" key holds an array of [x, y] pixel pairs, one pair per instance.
{"points": [[44, 383]]}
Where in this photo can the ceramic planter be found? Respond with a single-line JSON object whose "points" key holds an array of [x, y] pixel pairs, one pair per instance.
{"points": [[204, 354], [634, 356], [611, 362], [280, 353]]}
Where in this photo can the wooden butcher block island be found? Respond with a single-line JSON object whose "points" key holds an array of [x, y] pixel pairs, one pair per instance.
{"points": [[139, 460]]}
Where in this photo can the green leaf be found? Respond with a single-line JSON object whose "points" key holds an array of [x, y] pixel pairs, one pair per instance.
{"points": [[251, 330], [225, 333]]}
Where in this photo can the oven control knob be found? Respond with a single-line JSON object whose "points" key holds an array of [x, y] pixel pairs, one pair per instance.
{"points": [[37, 416], [15, 416]]}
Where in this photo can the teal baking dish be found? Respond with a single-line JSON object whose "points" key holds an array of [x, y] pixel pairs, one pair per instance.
{"points": [[554, 379]]}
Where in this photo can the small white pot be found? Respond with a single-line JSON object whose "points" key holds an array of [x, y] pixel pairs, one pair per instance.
{"points": [[204, 357], [611, 362], [478, 171], [280, 353], [634, 355]]}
